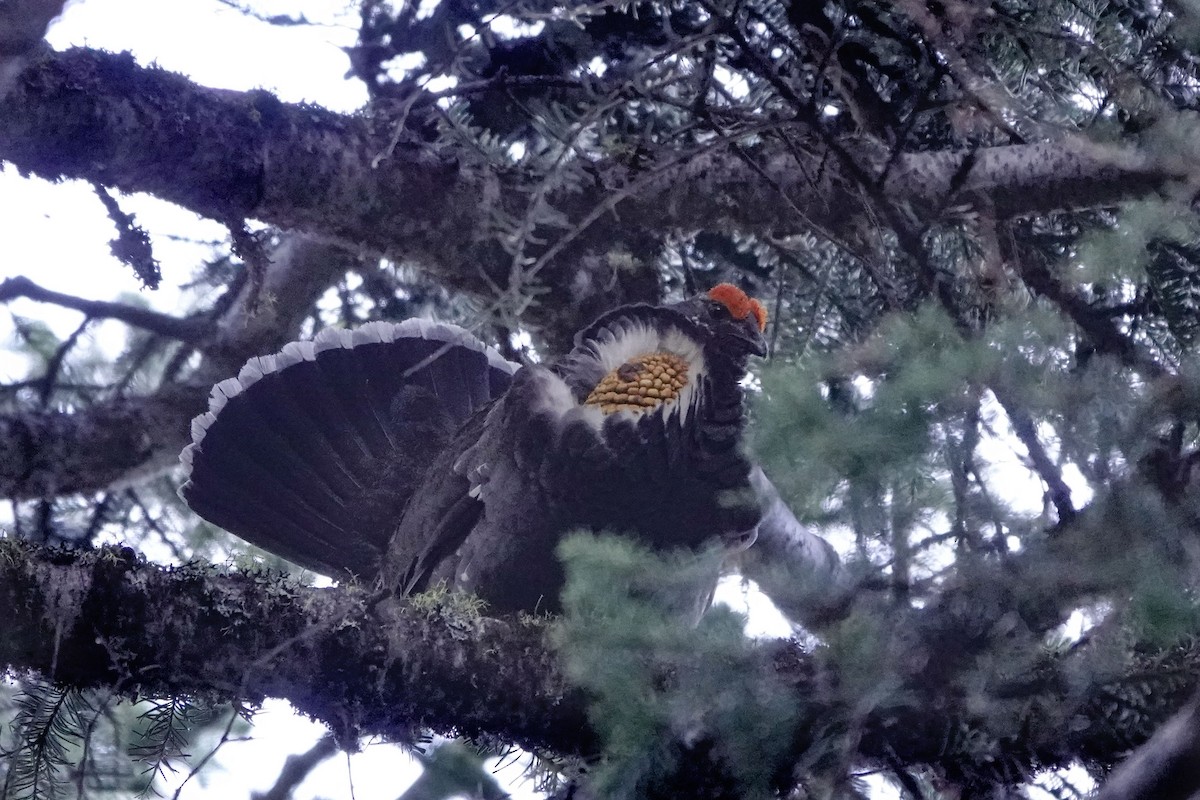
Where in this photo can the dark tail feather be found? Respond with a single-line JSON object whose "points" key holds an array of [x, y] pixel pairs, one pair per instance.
{"points": [[312, 452]]}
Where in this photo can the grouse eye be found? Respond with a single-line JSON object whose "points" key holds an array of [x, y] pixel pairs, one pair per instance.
{"points": [[718, 310]]}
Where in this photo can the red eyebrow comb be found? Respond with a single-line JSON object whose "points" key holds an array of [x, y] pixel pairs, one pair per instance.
{"points": [[739, 303]]}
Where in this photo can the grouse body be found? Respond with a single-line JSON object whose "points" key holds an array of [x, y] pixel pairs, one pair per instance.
{"points": [[414, 454]]}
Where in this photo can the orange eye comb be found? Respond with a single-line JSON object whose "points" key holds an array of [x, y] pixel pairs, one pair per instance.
{"points": [[739, 303]]}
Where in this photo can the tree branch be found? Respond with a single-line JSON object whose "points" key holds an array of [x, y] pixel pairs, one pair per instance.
{"points": [[297, 768], [105, 618], [119, 440], [1098, 326], [23, 23], [1026, 430], [51, 452], [97, 116], [798, 570], [185, 330]]}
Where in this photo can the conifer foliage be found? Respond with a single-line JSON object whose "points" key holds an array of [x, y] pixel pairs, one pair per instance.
{"points": [[973, 226]]}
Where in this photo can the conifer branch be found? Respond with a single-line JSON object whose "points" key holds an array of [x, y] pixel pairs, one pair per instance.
{"points": [[55, 452], [185, 330], [1025, 429], [368, 668], [798, 570], [297, 768], [23, 23], [1098, 326], [306, 168], [203, 631], [51, 451]]}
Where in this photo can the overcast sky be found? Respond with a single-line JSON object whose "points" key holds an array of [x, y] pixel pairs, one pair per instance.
{"points": [[57, 235]]}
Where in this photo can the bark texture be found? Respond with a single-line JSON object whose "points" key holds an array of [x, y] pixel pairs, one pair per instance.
{"points": [[234, 155], [22, 25], [117, 440], [107, 618]]}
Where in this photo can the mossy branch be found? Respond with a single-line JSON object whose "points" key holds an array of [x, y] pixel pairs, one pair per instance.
{"points": [[108, 618]]}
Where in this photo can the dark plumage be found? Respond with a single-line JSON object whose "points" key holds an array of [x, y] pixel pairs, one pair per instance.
{"points": [[415, 454]]}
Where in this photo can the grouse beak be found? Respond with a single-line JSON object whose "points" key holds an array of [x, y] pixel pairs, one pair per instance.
{"points": [[758, 345], [752, 339]]}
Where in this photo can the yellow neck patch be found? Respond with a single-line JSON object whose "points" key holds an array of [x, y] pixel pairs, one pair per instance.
{"points": [[641, 383]]}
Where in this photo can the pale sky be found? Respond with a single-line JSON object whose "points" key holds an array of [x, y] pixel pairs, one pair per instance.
{"points": [[57, 235]]}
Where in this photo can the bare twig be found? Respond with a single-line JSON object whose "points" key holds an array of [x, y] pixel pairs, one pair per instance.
{"points": [[187, 330], [297, 767], [132, 245], [49, 381], [236, 712], [1023, 426], [280, 20]]}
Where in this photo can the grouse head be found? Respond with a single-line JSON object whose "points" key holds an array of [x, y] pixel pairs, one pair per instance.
{"points": [[733, 323], [666, 359]]}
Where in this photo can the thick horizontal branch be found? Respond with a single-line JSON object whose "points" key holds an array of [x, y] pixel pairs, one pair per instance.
{"points": [[106, 618], [231, 155], [1017, 180], [235, 155]]}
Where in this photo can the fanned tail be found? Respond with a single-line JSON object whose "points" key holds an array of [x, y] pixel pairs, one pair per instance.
{"points": [[312, 452]]}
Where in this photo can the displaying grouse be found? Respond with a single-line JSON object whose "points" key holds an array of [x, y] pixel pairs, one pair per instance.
{"points": [[412, 453]]}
